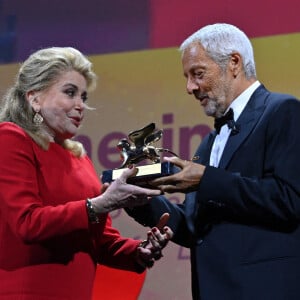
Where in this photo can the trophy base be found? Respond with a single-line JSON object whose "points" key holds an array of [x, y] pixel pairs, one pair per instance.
{"points": [[145, 174]]}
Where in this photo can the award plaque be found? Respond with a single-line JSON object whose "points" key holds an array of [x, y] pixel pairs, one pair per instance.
{"points": [[138, 148]]}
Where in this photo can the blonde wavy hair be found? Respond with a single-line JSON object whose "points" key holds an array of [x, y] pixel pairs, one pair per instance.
{"points": [[38, 73]]}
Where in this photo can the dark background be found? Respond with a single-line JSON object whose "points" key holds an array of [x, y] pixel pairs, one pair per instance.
{"points": [[107, 26]]}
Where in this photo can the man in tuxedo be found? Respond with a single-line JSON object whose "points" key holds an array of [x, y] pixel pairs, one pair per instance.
{"points": [[240, 216]]}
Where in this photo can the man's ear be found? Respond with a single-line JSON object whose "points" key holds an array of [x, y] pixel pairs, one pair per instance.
{"points": [[236, 64]]}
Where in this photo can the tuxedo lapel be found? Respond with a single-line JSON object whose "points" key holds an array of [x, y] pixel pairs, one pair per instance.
{"points": [[245, 123], [203, 152]]}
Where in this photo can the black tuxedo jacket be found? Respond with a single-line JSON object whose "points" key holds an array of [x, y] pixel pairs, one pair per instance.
{"points": [[242, 224]]}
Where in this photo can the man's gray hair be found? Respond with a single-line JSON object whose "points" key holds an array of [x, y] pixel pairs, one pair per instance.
{"points": [[220, 40]]}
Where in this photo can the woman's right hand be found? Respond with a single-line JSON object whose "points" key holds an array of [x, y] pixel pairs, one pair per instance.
{"points": [[120, 194], [150, 250]]}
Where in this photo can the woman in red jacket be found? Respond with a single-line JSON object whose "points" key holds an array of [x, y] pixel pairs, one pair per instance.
{"points": [[54, 222]]}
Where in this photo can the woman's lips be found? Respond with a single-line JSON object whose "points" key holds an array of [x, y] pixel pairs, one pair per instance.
{"points": [[76, 121]]}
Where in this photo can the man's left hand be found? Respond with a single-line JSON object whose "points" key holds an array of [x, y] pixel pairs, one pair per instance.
{"points": [[186, 180]]}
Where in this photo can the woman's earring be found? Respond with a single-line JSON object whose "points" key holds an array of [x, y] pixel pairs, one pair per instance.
{"points": [[37, 119]]}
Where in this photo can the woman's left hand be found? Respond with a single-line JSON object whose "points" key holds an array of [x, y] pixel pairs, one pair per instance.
{"points": [[158, 237]]}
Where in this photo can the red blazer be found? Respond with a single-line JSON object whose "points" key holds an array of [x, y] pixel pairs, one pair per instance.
{"points": [[47, 248]]}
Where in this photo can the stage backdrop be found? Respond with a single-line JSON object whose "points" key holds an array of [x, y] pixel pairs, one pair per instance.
{"points": [[136, 88]]}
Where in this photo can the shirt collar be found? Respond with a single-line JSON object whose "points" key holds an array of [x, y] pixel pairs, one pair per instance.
{"points": [[239, 103]]}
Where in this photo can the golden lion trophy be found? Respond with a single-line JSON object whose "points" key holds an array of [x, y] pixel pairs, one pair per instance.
{"points": [[138, 148]]}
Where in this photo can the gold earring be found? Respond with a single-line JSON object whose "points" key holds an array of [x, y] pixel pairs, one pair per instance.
{"points": [[37, 119]]}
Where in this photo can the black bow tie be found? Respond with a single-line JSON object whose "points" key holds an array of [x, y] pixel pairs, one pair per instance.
{"points": [[226, 119]]}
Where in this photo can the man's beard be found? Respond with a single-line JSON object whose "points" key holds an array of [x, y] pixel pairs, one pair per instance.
{"points": [[214, 108]]}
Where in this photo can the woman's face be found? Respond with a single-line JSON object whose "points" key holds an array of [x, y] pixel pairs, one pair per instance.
{"points": [[62, 105]]}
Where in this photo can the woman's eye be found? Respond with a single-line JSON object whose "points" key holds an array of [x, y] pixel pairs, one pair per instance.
{"points": [[84, 97], [70, 93]]}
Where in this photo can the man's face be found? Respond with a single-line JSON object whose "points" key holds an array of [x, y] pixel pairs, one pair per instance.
{"points": [[206, 80]]}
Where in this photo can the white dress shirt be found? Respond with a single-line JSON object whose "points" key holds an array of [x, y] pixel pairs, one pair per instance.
{"points": [[238, 106]]}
